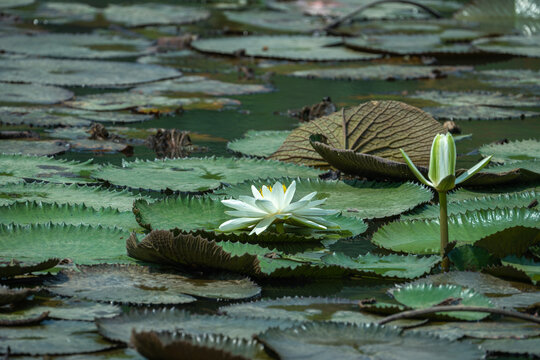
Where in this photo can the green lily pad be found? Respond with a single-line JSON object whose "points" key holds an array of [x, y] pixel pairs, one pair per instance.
{"points": [[33, 94], [519, 199], [513, 150], [426, 296], [90, 196], [512, 241], [402, 44], [49, 338], [7, 4], [43, 213], [258, 143], [113, 117], [60, 13], [33, 147], [422, 236], [121, 327], [37, 117], [472, 193], [203, 216], [373, 128], [81, 244], [476, 98], [196, 174], [319, 341], [477, 112], [524, 80], [277, 21], [167, 345], [12, 296], [74, 46], [13, 267], [200, 85], [363, 199], [527, 266], [98, 146], [153, 14], [282, 47], [133, 284], [473, 258], [528, 347], [21, 320], [384, 72], [81, 72], [511, 45]]}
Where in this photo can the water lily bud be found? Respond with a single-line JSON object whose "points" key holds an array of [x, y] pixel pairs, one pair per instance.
{"points": [[442, 163]]}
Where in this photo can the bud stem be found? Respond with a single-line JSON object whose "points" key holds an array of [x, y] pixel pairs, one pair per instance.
{"points": [[443, 223], [279, 228]]}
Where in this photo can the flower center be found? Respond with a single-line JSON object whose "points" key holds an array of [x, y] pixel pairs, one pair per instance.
{"points": [[270, 188]]}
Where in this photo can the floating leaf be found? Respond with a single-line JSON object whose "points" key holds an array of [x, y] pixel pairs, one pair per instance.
{"points": [[81, 72], [17, 320], [133, 284], [81, 244], [258, 143], [528, 347], [476, 98], [13, 267], [199, 85], [196, 174], [90, 196], [511, 45], [11, 296], [383, 72], [471, 193], [422, 236], [98, 146], [7, 4], [121, 327], [50, 339], [473, 258], [37, 117], [528, 80], [60, 13], [277, 21], [426, 296], [153, 14], [44, 213], [512, 151], [378, 128], [33, 94], [477, 112], [309, 48], [527, 266], [363, 199], [33, 147], [366, 341], [512, 241], [74, 46]]}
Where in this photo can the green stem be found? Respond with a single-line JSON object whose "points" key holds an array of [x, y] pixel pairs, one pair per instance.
{"points": [[279, 228], [443, 223]]}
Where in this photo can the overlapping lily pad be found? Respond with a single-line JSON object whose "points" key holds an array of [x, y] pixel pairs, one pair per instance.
{"points": [[43, 213], [133, 284], [511, 45], [153, 14], [38, 117], [33, 94], [524, 80], [363, 199], [383, 72], [367, 341], [323, 48], [11, 296], [90, 196], [422, 236], [6, 4], [528, 347], [81, 72], [33, 147], [81, 244], [50, 337], [258, 143], [60, 13], [378, 128], [529, 267], [74, 46], [477, 112], [13, 267], [46, 169], [196, 174], [513, 150], [276, 20], [99, 146]]}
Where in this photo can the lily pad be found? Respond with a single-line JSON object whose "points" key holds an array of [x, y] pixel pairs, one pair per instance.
{"points": [[33, 147], [11, 296], [113, 117], [477, 98], [90, 196], [133, 284], [43, 213], [384, 72], [46, 169], [60, 13], [366, 341], [276, 20], [373, 128], [121, 327], [81, 72], [49, 338], [154, 14], [7, 4], [167, 345], [196, 174], [477, 112], [528, 347], [13, 267], [513, 150], [422, 236], [527, 266], [472, 193], [323, 48], [81, 244], [17, 320], [511, 45], [98, 146], [38, 117], [74, 46], [426, 296], [524, 80], [363, 199], [33, 94], [200, 85], [258, 143]]}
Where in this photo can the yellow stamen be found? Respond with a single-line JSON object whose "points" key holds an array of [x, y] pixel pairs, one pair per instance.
{"points": [[270, 188]]}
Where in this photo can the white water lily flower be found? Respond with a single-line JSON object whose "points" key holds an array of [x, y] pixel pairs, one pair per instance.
{"points": [[272, 204]]}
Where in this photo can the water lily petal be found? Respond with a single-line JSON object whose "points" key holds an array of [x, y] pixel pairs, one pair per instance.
{"points": [[476, 168], [255, 192], [298, 220], [262, 225], [278, 195], [266, 205], [295, 206], [289, 194], [250, 214], [308, 196], [237, 224], [236, 204]]}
